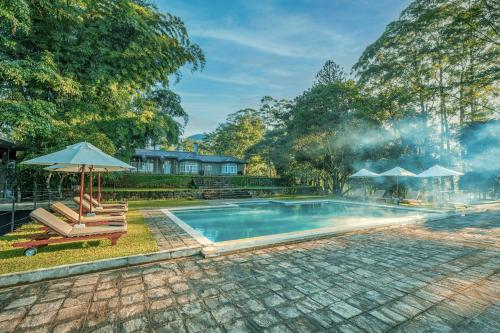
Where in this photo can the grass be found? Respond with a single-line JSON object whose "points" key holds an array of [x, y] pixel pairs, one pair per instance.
{"points": [[137, 240]]}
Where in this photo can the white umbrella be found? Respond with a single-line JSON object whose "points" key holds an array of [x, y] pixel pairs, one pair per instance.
{"points": [[364, 174], [438, 171], [397, 172], [81, 157]]}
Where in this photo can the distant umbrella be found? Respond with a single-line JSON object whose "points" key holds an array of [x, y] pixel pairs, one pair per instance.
{"points": [[397, 172], [438, 171], [364, 173]]}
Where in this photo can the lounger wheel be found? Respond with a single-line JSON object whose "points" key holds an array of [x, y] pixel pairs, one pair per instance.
{"points": [[30, 252]]}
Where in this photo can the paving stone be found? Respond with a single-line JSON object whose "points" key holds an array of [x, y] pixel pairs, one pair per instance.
{"points": [[71, 312], [302, 324], [134, 325], [161, 304], [13, 314], [200, 323], [238, 326], [67, 327], [288, 312], [265, 319], [21, 302], [251, 305], [37, 320], [370, 323], [226, 313], [345, 309], [172, 327], [166, 316], [278, 329]]}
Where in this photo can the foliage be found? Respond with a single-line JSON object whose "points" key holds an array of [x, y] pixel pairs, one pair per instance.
{"points": [[91, 70], [438, 61], [234, 137]]}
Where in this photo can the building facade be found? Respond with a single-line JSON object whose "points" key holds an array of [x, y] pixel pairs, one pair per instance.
{"points": [[186, 163]]}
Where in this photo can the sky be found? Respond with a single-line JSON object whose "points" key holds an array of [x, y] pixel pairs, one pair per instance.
{"points": [[268, 47]]}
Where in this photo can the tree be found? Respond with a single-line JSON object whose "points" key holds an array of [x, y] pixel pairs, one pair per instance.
{"points": [[91, 70], [241, 131], [436, 59], [330, 73]]}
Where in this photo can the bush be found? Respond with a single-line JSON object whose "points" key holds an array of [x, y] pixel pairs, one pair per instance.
{"points": [[144, 180]]}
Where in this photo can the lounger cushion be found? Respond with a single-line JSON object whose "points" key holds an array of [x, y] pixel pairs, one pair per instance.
{"points": [[99, 230], [51, 221], [71, 215], [96, 203], [86, 206]]}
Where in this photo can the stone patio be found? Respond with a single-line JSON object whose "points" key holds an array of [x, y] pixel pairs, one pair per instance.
{"points": [[168, 234], [442, 276]]}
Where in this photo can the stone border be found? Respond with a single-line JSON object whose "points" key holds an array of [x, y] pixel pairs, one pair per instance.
{"points": [[63, 271], [249, 244]]}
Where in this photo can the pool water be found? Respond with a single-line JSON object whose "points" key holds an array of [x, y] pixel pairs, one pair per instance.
{"points": [[253, 220]]}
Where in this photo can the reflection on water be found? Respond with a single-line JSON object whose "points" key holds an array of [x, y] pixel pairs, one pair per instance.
{"points": [[220, 224]]}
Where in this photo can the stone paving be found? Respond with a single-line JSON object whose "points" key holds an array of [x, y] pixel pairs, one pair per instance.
{"points": [[168, 235], [442, 276]]}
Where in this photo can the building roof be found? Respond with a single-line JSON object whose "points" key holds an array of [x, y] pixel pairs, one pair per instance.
{"points": [[7, 143], [186, 156]]}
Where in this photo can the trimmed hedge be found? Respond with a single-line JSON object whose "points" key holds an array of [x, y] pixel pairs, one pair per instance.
{"points": [[144, 180]]}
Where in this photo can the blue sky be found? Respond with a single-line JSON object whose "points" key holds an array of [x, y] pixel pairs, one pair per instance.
{"points": [[273, 47]]}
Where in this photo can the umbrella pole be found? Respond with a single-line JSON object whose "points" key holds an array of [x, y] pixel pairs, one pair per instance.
{"points": [[99, 188], [82, 184], [90, 190]]}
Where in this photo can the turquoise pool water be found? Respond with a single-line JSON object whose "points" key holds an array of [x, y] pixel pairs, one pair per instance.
{"points": [[253, 220]]}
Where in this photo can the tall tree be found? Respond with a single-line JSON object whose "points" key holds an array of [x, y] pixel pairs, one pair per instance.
{"points": [[93, 70]]}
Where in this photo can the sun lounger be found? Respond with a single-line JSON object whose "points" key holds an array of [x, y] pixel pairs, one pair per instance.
{"points": [[378, 196], [72, 217], [61, 232], [357, 193], [97, 210], [95, 203], [412, 198]]}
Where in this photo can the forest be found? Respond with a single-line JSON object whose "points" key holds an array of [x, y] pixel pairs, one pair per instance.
{"points": [[425, 92]]}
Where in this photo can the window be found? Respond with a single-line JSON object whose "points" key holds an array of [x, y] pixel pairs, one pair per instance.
{"points": [[146, 167], [207, 168], [189, 167], [167, 167], [230, 169]]}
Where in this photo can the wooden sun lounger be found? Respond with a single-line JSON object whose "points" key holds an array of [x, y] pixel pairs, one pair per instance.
{"points": [[356, 193], [72, 216], [62, 232], [95, 203], [86, 208], [378, 196], [412, 198]]}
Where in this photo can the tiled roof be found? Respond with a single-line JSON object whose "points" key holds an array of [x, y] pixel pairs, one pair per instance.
{"points": [[183, 156]]}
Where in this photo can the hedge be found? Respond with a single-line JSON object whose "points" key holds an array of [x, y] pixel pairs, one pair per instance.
{"points": [[143, 180]]}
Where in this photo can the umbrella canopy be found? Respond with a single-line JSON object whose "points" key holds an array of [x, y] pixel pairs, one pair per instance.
{"points": [[80, 154], [438, 171], [88, 168], [364, 173], [398, 172]]}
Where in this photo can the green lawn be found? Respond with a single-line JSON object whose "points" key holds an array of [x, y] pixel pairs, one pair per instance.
{"points": [[137, 240]]}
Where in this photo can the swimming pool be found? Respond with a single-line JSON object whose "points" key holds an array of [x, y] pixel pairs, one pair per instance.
{"points": [[242, 221]]}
